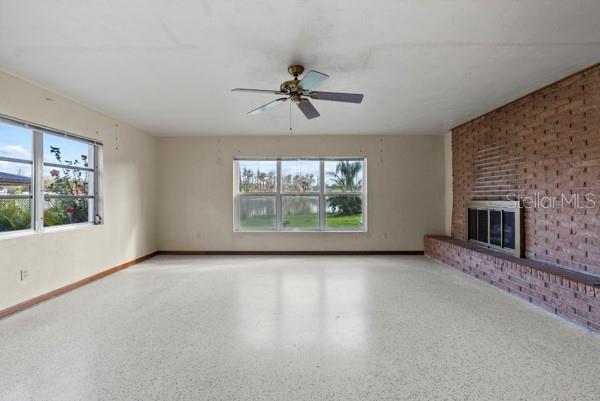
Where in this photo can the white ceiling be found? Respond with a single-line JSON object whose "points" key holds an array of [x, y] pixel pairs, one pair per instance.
{"points": [[166, 66]]}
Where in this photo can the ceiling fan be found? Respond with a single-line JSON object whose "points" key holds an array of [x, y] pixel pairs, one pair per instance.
{"points": [[301, 91]]}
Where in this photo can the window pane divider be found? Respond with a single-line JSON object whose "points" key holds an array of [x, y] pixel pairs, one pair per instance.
{"points": [[343, 194], [278, 201], [300, 193], [67, 196], [322, 202], [68, 167], [17, 196], [38, 181], [15, 160], [257, 194]]}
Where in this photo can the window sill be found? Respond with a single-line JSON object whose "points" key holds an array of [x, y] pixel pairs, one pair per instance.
{"points": [[17, 234], [49, 230], [301, 231], [68, 227]]}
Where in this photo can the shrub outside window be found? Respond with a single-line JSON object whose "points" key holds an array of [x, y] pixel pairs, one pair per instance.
{"points": [[47, 178], [68, 181], [301, 194]]}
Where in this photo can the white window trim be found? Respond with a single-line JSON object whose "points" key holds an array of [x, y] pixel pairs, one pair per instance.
{"points": [[37, 176], [322, 194]]}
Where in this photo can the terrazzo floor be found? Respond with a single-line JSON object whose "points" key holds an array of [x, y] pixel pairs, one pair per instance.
{"points": [[293, 328]]}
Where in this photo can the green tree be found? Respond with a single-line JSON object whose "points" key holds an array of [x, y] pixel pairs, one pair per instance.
{"points": [[346, 178]]}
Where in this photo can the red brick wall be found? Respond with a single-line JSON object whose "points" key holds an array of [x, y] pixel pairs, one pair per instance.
{"points": [[566, 298], [544, 144]]}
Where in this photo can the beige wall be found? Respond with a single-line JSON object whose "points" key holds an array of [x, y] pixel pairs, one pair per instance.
{"points": [[176, 194], [448, 183], [406, 190], [54, 259]]}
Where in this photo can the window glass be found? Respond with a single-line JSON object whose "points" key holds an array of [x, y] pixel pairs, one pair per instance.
{"points": [[66, 181], [473, 224], [509, 229], [15, 178], [343, 175], [66, 151], [300, 175], [15, 214], [258, 176], [300, 212], [482, 230], [496, 227], [344, 212], [16, 205], [257, 212], [15, 142], [60, 211]]}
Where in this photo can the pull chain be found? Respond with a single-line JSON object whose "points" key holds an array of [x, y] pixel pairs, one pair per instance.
{"points": [[291, 133]]}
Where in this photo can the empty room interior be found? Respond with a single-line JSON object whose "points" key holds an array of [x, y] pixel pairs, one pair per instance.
{"points": [[299, 200]]}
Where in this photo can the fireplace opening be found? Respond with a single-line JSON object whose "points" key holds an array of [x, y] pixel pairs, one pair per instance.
{"points": [[496, 225]]}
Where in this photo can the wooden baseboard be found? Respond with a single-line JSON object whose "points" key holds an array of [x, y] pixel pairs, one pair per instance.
{"points": [[283, 253], [70, 287]]}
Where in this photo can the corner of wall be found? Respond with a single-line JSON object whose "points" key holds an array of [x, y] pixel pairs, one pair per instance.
{"points": [[448, 194]]}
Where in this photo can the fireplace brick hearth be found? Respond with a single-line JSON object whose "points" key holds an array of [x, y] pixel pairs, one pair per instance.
{"points": [[569, 294]]}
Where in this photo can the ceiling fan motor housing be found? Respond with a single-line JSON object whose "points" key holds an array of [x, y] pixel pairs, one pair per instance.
{"points": [[290, 86]]}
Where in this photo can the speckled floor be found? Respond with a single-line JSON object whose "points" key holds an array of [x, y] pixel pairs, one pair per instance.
{"points": [[293, 328]]}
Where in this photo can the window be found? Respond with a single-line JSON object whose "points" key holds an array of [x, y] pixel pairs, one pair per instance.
{"points": [[300, 195], [47, 178]]}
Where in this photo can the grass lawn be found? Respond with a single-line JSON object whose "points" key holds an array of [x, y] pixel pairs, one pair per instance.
{"points": [[258, 222], [305, 221], [301, 221], [337, 221]]}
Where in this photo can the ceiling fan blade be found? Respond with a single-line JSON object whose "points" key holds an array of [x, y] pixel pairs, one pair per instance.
{"points": [[308, 109], [338, 97], [267, 106], [258, 91], [311, 80]]}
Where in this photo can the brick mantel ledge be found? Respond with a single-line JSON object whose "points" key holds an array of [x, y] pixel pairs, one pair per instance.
{"points": [[572, 295]]}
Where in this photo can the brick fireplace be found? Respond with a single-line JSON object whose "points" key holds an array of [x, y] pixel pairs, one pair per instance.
{"points": [[543, 150]]}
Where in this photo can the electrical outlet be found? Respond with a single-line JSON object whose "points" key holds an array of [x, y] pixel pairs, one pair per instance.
{"points": [[24, 274]]}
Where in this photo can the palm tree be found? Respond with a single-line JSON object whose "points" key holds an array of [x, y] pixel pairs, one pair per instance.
{"points": [[346, 178]]}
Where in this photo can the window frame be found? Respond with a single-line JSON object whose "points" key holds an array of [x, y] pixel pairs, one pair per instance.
{"points": [[279, 195], [38, 196]]}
